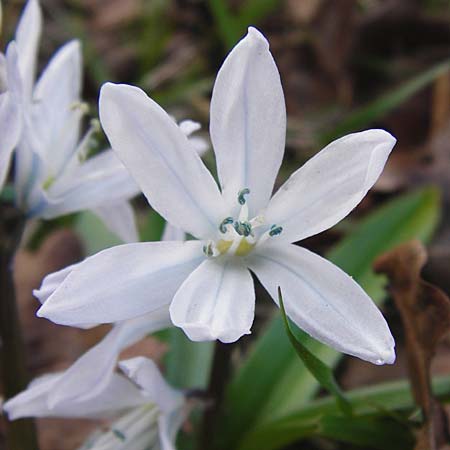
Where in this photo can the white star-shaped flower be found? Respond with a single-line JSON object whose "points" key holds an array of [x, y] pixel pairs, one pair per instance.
{"points": [[238, 228]]}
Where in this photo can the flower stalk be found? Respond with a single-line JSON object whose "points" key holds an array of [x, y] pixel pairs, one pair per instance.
{"points": [[21, 434], [220, 372]]}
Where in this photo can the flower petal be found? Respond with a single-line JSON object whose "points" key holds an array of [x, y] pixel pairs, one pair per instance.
{"points": [[10, 126], [56, 117], [217, 301], [122, 282], [172, 233], [32, 402], [92, 372], [168, 427], [99, 181], [325, 302], [248, 122], [156, 152], [145, 373], [28, 34], [10, 112], [119, 218], [325, 189], [50, 283]]}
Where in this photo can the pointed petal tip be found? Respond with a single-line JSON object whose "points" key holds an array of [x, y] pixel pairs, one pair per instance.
{"points": [[197, 333], [386, 357], [257, 37], [382, 136], [41, 312]]}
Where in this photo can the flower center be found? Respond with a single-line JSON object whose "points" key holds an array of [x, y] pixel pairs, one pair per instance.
{"points": [[239, 236]]}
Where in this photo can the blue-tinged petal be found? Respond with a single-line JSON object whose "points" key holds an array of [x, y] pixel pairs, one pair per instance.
{"points": [[217, 301], [28, 34], [324, 301], [327, 187], [145, 373], [119, 395], [97, 182], [248, 122], [122, 282], [156, 152], [92, 372]]}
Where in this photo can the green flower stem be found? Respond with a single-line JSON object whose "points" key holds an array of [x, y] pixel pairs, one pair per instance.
{"points": [[20, 434]]}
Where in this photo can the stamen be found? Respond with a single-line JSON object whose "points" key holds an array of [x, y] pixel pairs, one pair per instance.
{"points": [[48, 182], [275, 230], [88, 141], [225, 222], [242, 194], [210, 249], [243, 228], [83, 107], [257, 221], [119, 434]]}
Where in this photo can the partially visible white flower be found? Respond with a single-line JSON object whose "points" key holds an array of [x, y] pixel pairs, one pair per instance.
{"points": [[154, 425], [240, 228], [41, 121], [16, 75], [151, 411], [92, 372], [53, 175]]}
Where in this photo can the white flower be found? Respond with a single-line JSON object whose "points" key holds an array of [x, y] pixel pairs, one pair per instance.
{"points": [[207, 281], [52, 174], [152, 411]]}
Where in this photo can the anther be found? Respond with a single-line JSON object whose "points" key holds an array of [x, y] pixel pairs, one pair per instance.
{"points": [[242, 194], [275, 231], [210, 250], [119, 434], [243, 228], [225, 222], [81, 106]]}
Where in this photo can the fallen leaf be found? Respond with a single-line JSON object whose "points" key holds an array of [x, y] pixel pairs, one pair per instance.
{"points": [[425, 314]]}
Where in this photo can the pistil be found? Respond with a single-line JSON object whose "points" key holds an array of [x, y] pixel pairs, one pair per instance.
{"points": [[239, 235]]}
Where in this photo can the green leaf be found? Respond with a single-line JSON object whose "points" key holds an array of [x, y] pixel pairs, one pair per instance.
{"points": [[321, 372], [94, 233], [226, 22], [232, 27], [272, 367], [254, 11], [153, 227], [187, 363], [368, 401], [386, 103], [8, 193], [379, 433]]}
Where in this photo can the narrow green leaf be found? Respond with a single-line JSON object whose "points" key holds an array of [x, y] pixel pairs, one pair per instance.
{"points": [[304, 423], [321, 372], [227, 24], [386, 103], [255, 10], [379, 433], [286, 388]]}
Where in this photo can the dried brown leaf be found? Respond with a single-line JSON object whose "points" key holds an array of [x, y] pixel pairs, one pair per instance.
{"points": [[425, 314]]}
